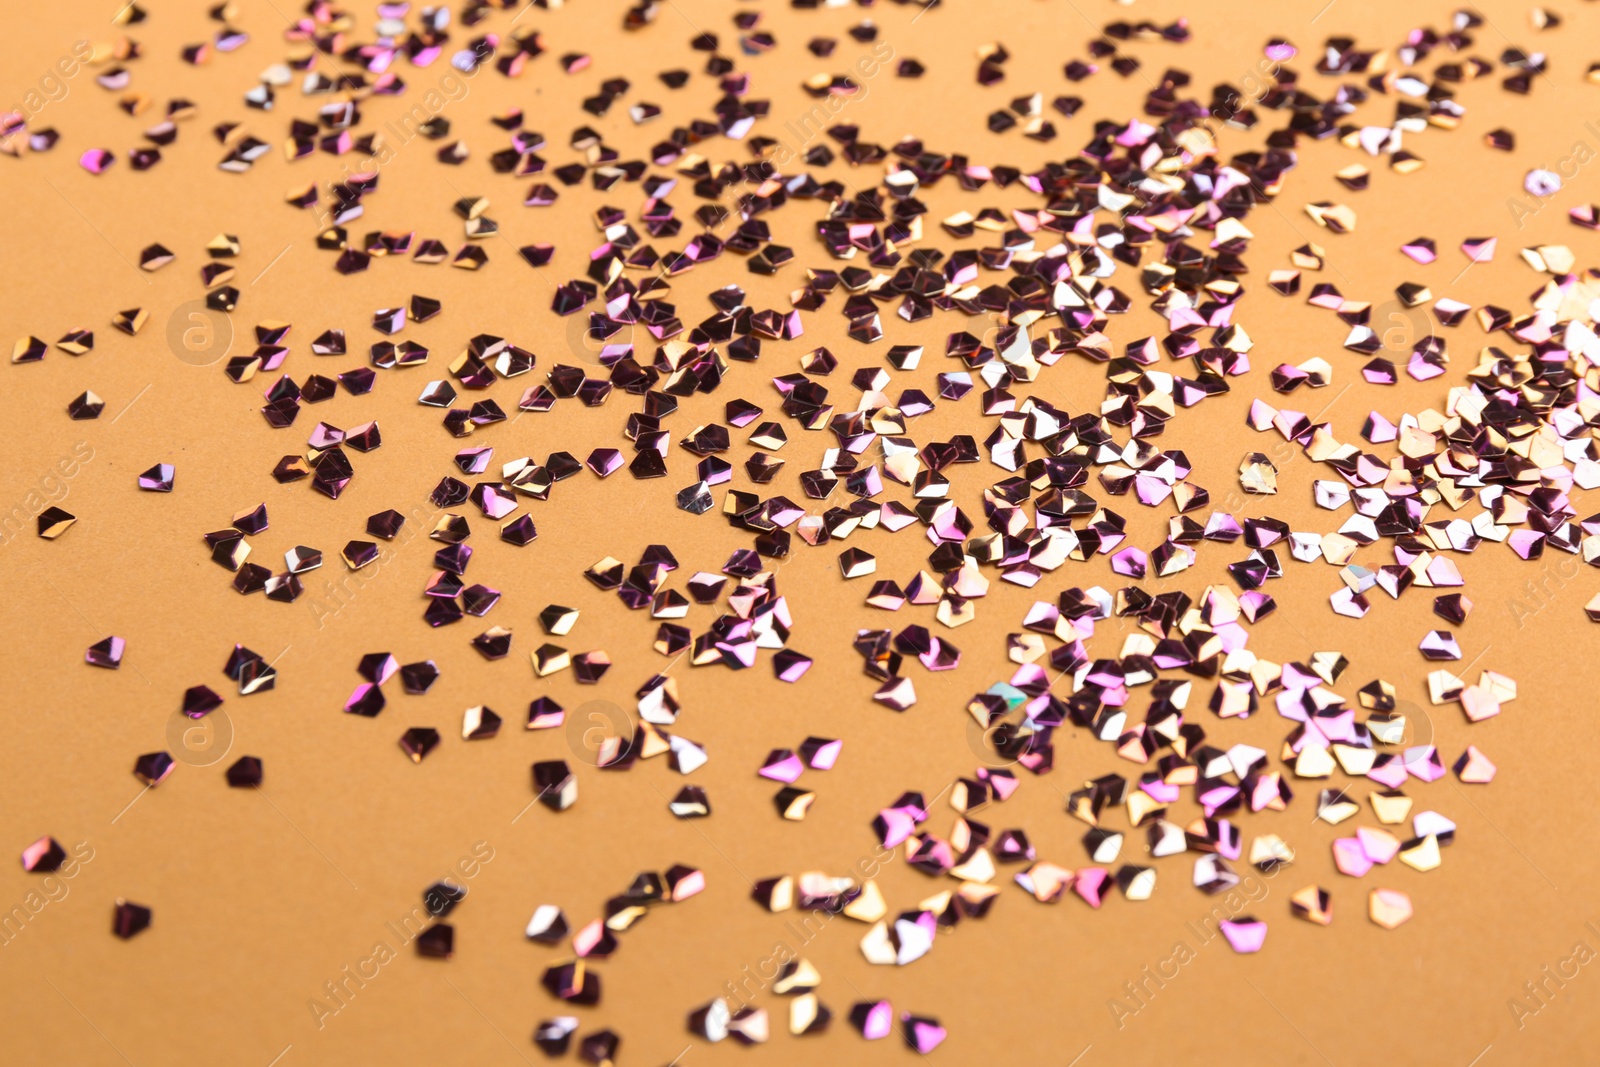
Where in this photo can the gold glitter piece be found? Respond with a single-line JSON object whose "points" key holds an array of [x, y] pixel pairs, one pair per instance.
{"points": [[1335, 217], [806, 1014], [1313, 904], [1334, 807], [798, 976], [1390, 806], [1309, 257], [1422, 855], [53, 522], [130, 321], [1257, 474], [1314, 761], [869, 906], [1389, 908], [1270, 851]]}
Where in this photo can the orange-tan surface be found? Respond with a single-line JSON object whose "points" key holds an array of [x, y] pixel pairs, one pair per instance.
{"points": [[262, 899]]}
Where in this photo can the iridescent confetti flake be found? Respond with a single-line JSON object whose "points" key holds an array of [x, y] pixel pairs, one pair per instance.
{"points": [[106, 652], [53, 522], [85, 406], [44, 856], [554, 785], [479, 723], [418, 742], [419, 677], [152, 768], [437, 941], [128, 918], [158, 479], [244, 773], [1389, 908]]}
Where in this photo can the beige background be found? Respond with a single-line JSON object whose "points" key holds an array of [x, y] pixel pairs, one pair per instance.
{"points": [[261, 899]]}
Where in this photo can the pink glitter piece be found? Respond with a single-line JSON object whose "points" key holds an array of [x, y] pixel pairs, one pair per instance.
{"points": [[895, 826], [1131, 562], [1443, 572], [1389, 771], [1091, 883], [1379, 847], [923, 1035], [1419, 252], [1423, 762], [1421, 369], [96, 160], [1245, 934], [1350, 857], [822, 755], [1479, 703], [1379, 429], [1529, 544], [1004, 785], [782, 766]]}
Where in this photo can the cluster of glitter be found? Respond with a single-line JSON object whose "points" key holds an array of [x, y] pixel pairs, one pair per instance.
{"points": [[1150, 203]]}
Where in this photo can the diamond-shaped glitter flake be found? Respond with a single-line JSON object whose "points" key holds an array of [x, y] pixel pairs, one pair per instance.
{"points": [[152, 768], [54, 521], [244, 773], [437, 942], [554, 784], [418, 741], [479, 723], [419, 677], [128, 918], [106, 652], [44, 856], [158, 479]]}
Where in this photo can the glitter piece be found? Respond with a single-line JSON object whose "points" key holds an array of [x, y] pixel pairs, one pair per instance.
{"points": [[1312, 903], [128, 918], [419, 677], [548, 925], [1257, 474], [922, 1034], [44, 856], [1473, 767], [53, 522], [479, 722], [437, 942], [1245, 934], [85, 406], [548, 659], [107, 652], [77, 342], [158, 479], [874, 1019], [690, 802], [131, 320], [554, 785], [357, 554], [794, 803], [1388, 908], [152, 768], [244, 773], [418, 741], [200, 701], [790, 666], [495, 643]]}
